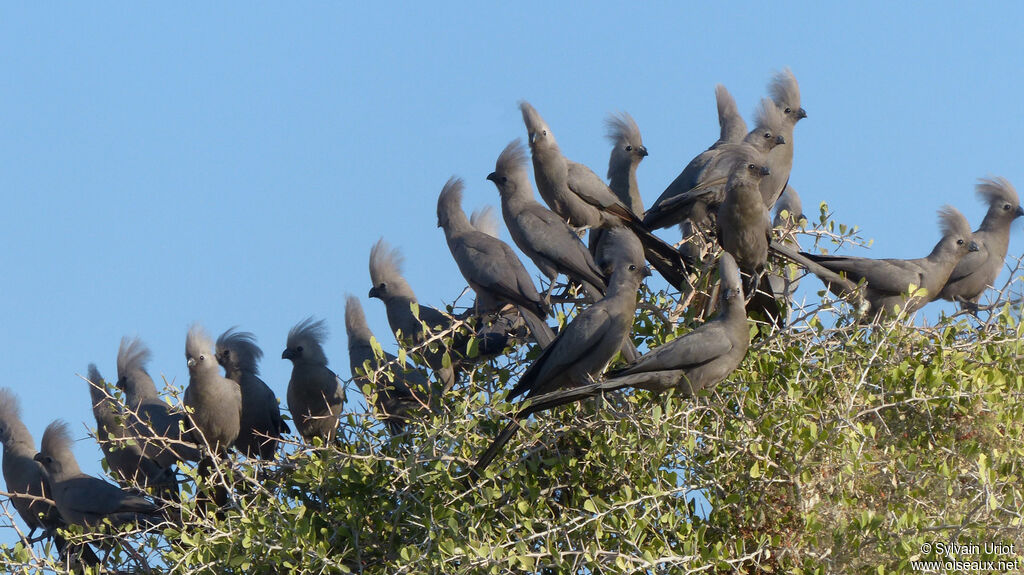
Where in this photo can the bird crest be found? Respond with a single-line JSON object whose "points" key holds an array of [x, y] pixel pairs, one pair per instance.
{"points": [[450, 200], [953, 223], [56, 439], [512, 158], [385, 263], [197, 342], [355, 320], [241, 345], [995, 190], [132, 355], [622, 127], [784, 90], [485, 220], [769, 116], [309, 334]]}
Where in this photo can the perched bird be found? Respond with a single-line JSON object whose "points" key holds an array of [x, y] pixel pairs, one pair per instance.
{"points": [[261, 423], [730, 122], [215, 401], [978, 270], [83, 499], [22, 473], [788, 214], [394, 395], [490, 267], [124, 457], [620, 246], [696, 193], [578, 195], [627, 152], [540, 233], [315, 394], [701, 358], [390, 286], [743, 226], [785, 92], [156, 427], [889, 280], [582, 350]]}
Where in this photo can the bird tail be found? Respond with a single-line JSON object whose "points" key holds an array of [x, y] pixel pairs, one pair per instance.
{"points": [[836, 282], [492, 451], [539, 328]]}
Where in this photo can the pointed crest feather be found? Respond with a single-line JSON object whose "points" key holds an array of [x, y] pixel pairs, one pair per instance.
{"points": [[784, 89], [531, 117], [308, 330], [243, 347], [355, 318], [622, 127], [512, 158], [10, 407], [56, 439], [726, 103], [197, 342], [996, 189], [485, 220], [450, 200], [768, 115], [131, 355], [385, 263], [953, 223], [97, 388]]}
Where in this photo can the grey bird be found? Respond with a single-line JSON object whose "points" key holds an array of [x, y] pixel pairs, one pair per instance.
{"points": [[127, 464], [581, 351], [730, 122], [22, 473], [785, 92], [788, 215], [889, 280], [578, 195], [978, 270], [484, 220], [540, 233], [700, 188], [489, 265], [315, 394], [620, 246], [260, 424], [703, 357], [391, 287], [628, 151], [744, 229], [215, 401], [393, 391], [83, 499], [157, 428]]}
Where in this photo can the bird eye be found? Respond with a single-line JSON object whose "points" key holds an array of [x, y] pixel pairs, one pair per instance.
{"points": [[629, 148], [1006, 206], [504, 179], [959, 242], [751, 166], [789, 110], [543, 132], [202, 357], [382, 285], [299, 349], [632, 267], [767, 135]]}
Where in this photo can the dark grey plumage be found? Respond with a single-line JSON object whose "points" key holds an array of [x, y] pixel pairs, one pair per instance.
{"points": [[700, 188], [785, 92], [156, 427], [83, 499], [581, 351], [578, 195], [394, 395], [215, 401], [124, 456], [489, 265], [22, 473], [540, 233], [390, 286], [315, 394], [730, 122], [788, 215], [628, 151], [977, 271], [260, 423], [743, 226], [888, 280], [701, 358]]}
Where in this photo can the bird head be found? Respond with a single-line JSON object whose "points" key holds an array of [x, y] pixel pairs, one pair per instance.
{"points": [[627, 145], [199, 354], [1001, 197], [305, 342], [786, 93], [538, 133]]}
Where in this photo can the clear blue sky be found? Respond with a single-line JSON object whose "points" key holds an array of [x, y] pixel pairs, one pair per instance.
{"points": [[232, 164]]}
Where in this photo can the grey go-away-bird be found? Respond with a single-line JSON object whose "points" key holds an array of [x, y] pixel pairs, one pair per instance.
{"points": [[580, 352], [261, 424], [700, 188], [977, 271], [22, 473], [744, 229], [489, 265], [127, 464], [788, 215], [390, 286], [540, 233], [315, 394], [157, 428], [889, 280], [484, 220], [83, 499], [394, 395], [578, 195], [215, 401], [628, 151], [730, 122], [785, 92]]}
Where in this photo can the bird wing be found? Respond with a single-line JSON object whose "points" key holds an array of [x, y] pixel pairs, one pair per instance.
{"points": [[590, 187], [92, 496], [704, 344], [972, 262], [552, 238], [887, 275], [660, 214], [495, 267]]}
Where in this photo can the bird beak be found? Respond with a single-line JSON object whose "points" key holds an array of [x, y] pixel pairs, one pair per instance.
{"points": [[38, 457], [1020, 211], [801, 114], [646, 272], [765, 171], [533, 138], [191, 362], [493, 176], [973, 247], [373, 292], [643, 152], [287, 354], [780, 139], [439, 223]]}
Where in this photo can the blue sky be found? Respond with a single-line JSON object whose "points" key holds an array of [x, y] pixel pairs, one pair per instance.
{"points": [[232, 164]]}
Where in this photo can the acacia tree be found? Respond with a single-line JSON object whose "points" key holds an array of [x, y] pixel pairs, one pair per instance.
{"points": [[836, 447]]}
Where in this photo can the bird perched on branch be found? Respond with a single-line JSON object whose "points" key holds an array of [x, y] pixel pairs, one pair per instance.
{"points": [[315, 394]]}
